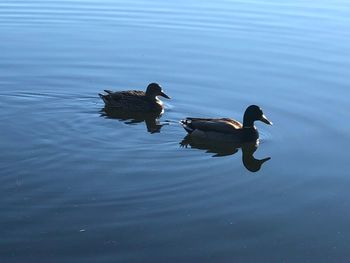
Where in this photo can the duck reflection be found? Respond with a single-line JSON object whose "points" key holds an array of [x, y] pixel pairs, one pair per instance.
{"points": [[151, 119], [224, 149]]}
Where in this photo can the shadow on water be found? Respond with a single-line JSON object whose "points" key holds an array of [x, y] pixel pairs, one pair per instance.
{"points": [[151, 119], [221, 149]]}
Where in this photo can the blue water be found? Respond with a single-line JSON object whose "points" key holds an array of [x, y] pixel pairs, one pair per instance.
{"points": [[78, 186]]}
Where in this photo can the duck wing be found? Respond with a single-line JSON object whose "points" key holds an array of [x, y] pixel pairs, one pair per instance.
{"points": [[223, 125], [128, 94], [119, 98]]}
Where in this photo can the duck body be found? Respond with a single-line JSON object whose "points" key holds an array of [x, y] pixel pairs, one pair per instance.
{"points": [[131, 100], [135, 100], [226, 129], [223, 129]]}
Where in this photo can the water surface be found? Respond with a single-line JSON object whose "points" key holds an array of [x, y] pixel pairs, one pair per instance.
{"points": [[80, 186]]}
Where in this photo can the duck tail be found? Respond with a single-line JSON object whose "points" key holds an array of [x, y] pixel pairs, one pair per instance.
{"points": [[103, 97], [108, 91], [186, 124]]}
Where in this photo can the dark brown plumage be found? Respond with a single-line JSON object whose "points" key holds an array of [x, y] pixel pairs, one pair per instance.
{"points": [[135, 100]]}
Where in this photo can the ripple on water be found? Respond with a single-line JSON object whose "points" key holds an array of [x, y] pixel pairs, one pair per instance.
{"points": [[66, 169], [69, 132]]}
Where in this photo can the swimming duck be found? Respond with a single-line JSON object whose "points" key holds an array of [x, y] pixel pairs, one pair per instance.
{"points": [[135, 100], [226, 129]]}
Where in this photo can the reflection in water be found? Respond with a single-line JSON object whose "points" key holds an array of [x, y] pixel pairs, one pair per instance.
{"points": [[224, 149], [151, 118]]}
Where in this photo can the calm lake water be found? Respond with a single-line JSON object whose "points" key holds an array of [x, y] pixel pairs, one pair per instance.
{"points": [[79, 186]]}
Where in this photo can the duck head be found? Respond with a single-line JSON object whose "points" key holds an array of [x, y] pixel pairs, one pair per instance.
{"points": [[254, 113], [154, 89]]}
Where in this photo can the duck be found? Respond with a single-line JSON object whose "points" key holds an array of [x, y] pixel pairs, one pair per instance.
{"points": [[135, 100], [226, 129]]}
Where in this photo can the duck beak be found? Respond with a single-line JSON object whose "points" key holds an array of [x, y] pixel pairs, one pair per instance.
{"points": [[265, 120], [164, 95]]}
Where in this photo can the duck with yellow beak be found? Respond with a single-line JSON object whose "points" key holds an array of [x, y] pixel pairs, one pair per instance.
{"points": [[225, 129]]}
